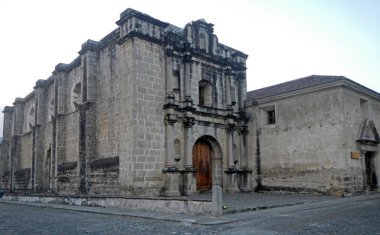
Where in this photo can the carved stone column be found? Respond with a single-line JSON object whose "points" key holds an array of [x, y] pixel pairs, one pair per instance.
{"points": [[38, 135], [170, 120], [188, 124], [6, 148], [240, 80], [232, 173], [245, 179], [171, 173], [187, 62], [87, 114], [227, 76], [190, 186], [169, 70], [230, 158], [57, 151], [243, 131], [16, 139]]}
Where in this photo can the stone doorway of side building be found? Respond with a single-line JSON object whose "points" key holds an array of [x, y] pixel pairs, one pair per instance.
{"points": [[370, 170], [202, 152]]}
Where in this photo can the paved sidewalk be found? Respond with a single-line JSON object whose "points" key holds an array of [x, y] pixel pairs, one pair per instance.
{"points": [[235, 205], [326, 215], [243, 202]]}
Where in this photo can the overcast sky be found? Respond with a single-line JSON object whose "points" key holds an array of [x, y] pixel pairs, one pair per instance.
{"points": [[285, 39]]}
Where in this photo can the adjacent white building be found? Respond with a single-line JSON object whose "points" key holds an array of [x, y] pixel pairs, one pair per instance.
{"points": [[316, 133]]}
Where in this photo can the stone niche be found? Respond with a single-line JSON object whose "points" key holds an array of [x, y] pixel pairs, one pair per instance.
{"points": [[104, 176]]}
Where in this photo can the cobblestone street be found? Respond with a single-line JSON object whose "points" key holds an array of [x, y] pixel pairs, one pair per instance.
{"points": [[21, 219], [356, 215]]}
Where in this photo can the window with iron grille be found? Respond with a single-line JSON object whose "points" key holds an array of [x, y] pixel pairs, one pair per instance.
{"points": [[271, 114]]}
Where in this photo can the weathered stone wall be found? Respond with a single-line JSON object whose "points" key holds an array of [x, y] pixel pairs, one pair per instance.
{"points": [[145, 120], [355, 115], [26, 151], [73, 95], [46, 156], [111, 102], [29, 116], [3, 162], [309, 147], [104, 176], [303, 149], [6, 150], [71, 134], [124, 124], [67, 174], [149, 115], [22, 179]]}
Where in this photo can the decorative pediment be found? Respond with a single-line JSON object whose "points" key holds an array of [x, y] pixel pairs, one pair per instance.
{"points": [[368, 133]]}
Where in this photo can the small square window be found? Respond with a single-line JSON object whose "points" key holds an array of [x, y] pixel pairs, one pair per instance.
{"points": [[271, 114], [268, 115]]}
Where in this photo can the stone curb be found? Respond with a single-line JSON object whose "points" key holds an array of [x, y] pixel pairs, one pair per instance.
{"points": [[229, 216], [173, 217]]}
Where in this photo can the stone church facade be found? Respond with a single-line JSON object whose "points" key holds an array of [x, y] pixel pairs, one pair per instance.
{"points": [[155, 110], [316, 133], [151, 109]]}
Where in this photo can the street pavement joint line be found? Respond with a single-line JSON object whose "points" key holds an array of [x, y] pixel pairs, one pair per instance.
{"points": [[88, 210], [260, 208]]}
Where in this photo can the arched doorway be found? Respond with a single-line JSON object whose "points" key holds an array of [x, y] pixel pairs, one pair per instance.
{"points": [[369, 141], [202, 153], [370, 170]]}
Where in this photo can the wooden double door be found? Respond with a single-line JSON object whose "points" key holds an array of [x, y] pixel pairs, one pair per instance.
{"points": [[202, 164]]}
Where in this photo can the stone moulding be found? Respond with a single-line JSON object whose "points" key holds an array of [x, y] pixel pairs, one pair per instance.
{"points": [[238, 171], [67, 166], [103, 163], [368, 133], [22, 173], [148, 204]]}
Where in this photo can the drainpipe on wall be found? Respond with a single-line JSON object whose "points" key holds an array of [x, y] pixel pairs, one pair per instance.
{"points": [[258, 162]]}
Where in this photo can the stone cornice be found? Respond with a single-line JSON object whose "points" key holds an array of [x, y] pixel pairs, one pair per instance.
{"points": [[139, 35], [109, 38], [235, 53], [18, 100], [8, 109], [64, 68], [188, 122], [41, 84], [344, 83], [129, 13], [239, 54], [362, 89], [178, 42], [250, 101], [89, 45]]}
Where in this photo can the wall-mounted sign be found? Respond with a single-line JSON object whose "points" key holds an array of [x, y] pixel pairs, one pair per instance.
{"points": [[355, 155]]}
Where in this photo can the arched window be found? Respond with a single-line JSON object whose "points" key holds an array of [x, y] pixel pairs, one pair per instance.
{"points": [[76, 95], [205, 91], [202, 41], [51, 110], [31, 117]]}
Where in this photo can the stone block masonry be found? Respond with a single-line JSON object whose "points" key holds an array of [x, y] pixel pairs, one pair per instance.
{"points": [[123, 118]]}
